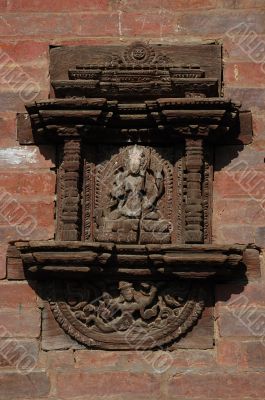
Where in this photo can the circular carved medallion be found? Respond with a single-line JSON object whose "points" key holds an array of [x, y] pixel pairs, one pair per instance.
{"points": [[139, 53], [127, 314]]}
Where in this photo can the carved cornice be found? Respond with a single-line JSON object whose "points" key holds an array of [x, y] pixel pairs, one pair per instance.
{"points": [[215, 119], [52, 258]]}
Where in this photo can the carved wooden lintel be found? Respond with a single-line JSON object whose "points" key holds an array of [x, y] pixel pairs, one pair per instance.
{"points": [[151, 261], [215, 120]]}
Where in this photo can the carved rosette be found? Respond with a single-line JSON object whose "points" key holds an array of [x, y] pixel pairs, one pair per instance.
{"points": [[127, 314]]}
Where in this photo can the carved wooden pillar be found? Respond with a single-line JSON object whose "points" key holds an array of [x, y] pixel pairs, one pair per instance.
{"points": [[194, 206], [69, 209]]}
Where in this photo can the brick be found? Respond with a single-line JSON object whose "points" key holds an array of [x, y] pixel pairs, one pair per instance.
{"points": [[167, 5], [243, 4], [18, 386], [27, 184], [253, 261], [20, 322], [97, 359], [236, 295], [25, 51], [26, 232], [19, 353], [14, 295], [30, 157], [217, 385], [26, 220], [231, 234], [260, 235], [250, 98], [15, 269], [3, 5], [202, 334], [230, 211], [142, 361], [15, 75], [245, 321], [170, 362], [53, 336], [3, 249], [219, 22], [243, 355], [259, 130], [57, 6], [150, 24], [61, 359], [35, 24], [243, 74], [248, 184], [105, 24], [14, 99], [7, 129], [236, 158], [106, 384], [236, 47]]}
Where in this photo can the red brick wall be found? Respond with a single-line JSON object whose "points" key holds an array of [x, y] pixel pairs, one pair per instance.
{"points": [[235, 367]]}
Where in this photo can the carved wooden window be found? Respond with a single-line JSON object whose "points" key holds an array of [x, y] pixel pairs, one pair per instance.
{"points": [[134, 130]]}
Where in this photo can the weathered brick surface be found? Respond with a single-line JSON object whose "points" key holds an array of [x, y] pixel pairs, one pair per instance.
{"points": [[247, 320], [56, 6], [17, 295], [217, 386], [169, 5], [21, 354], [243, 74], [107, 384], [7, 129], [28, 183], [3, 249], [242, 355], [20, 322], [14, 385], [27, 157], [237, 295]]}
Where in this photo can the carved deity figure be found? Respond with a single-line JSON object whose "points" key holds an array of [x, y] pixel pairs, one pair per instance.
{"points": [[135, 192], [135, 188]]}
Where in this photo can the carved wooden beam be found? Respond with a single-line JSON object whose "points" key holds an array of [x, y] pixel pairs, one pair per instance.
{"points": [[215, 119], [51, 259]]}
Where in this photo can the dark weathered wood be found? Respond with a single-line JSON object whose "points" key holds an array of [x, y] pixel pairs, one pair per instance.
{"points": [[185, 261], [69, 215], [63, 59], [134, 128]]}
